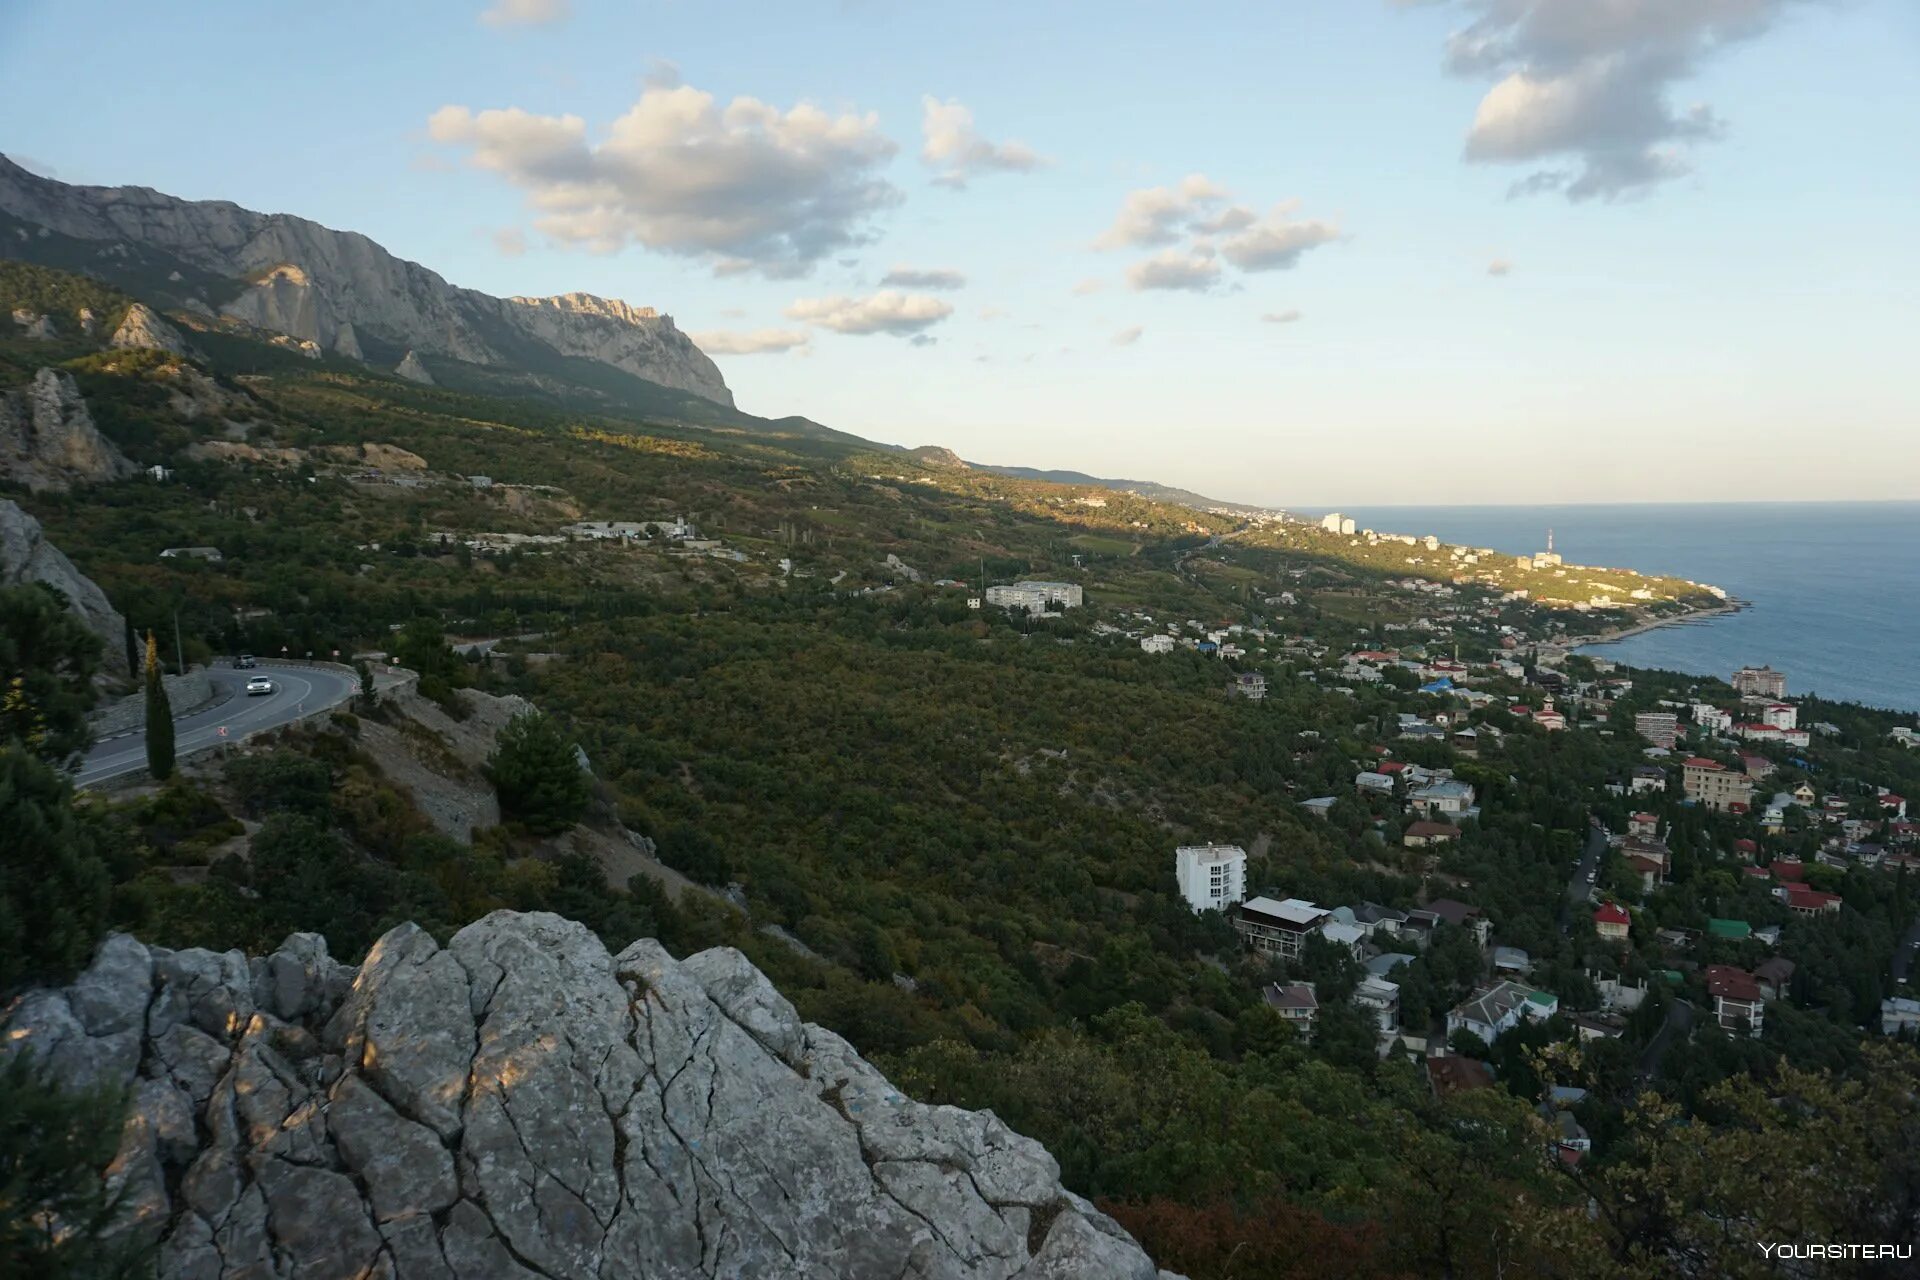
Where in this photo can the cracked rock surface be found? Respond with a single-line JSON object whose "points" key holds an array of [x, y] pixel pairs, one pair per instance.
{"points": [[520, 1104]]}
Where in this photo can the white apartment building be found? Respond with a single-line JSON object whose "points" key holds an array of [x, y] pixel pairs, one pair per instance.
{"points": [[1156, 644], [1712, 718], [1034, 597], [1764, 681], [1212, 877]]}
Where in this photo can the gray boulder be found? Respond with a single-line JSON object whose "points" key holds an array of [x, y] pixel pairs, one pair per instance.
{"points": [[520, 1103]]}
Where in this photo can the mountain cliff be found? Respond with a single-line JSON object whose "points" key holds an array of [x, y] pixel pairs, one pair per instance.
{"points": [[48, 440], [336, 289], [521, 1104]]}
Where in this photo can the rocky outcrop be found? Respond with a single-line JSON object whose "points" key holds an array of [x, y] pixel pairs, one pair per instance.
{"points": [[412, 370], [143, 328], [522, 1104], [34, 325], [338, 288], [26, 556], [48, 440], [637, 339]]}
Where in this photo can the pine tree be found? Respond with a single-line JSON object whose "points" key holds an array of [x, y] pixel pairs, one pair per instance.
{"points": [[159, 718], [536, 770]]}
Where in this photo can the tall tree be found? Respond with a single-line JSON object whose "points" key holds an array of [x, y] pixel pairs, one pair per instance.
{"points": [[53, 885], [536, 769], [159, 718], [49, 660]]}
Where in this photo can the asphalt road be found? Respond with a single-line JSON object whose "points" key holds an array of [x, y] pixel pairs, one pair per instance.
{"points": [[1677, 1027], [1904, 953], [1578, 889], [297, 691]]}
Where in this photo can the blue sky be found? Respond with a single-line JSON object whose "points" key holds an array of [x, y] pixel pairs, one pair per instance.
{"points": [[1712, 298]]}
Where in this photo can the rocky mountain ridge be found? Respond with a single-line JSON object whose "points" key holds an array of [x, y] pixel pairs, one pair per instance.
{"points": [[337, 289], [521, 1104]]}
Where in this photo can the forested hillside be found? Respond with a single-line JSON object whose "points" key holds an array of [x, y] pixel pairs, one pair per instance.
{"points": [[946, 828]]}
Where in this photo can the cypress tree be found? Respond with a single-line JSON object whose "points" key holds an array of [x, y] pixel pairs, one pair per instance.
{"points": [[159, 718]]}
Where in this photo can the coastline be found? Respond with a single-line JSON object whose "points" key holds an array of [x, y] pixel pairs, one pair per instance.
{"points": [[1616, 634]]}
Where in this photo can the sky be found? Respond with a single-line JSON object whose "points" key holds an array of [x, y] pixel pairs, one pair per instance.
{"points": [[1313, 252]]}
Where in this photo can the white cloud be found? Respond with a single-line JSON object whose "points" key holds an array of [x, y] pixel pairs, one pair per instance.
{"points": [[1091, 285], [1125, 338], [888, 311], [746, 186], [1585, 86], [527, 13], [924, 278], [1289, 316], [510, 241], [1175, 269], [955, 148], [1499, 267], [1164, 215], [1275, 242], [992, 313], [724, 342], [1202, 213]]}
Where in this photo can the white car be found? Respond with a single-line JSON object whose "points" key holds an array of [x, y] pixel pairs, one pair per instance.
{"points": [[259, 685]]}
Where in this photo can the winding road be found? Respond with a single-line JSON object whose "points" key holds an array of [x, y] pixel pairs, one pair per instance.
{"points": [[297, 692]]}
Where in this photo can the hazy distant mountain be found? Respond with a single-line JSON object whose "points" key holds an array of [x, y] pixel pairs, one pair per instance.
{"points": [[1145, 488], [338, 290]]}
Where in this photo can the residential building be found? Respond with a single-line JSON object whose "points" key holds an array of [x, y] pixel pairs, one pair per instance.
{"points": [[1343, 934], [1712, 784], [1647, 777], [1645, 825], [1379, 783], [1450, 797], [1774, 974], [1899, 1015], [1380, 998], [1712, 718], [1780, 715], [1761, 680], [1156, 644], [1296, 1004], [1421, 834], [1511, 961], [1807, 902], [1612, 922], [1491, 1013], [1279, 928], [1736, 999], [1661, 728], [1250, 685], [1035, 597], [1212, 877]]}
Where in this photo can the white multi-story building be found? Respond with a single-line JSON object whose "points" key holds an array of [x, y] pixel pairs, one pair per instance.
{"points": [[1764, 681], [1212, 877], [1780, 715], [1712, 718], [1034, 597], [1156, 644]]}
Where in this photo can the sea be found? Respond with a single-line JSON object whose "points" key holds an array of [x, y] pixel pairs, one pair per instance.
{"points": [[1833, 589]]}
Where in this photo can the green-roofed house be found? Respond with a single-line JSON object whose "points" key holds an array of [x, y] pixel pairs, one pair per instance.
{"points": [[1730, 930]]}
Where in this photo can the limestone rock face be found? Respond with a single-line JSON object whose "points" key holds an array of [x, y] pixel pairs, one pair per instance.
{"points": [[522, 1104], [144, 328], [48, 440], [336, 288], [34, 325], [412, 370], [637, 339], [26, 556]]}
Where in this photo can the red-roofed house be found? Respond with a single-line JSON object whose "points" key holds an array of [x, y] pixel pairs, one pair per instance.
{"points": [[1736, 998], [1897, 805], [1745, 849], [1791, 869], [1712, 784], [1807, 902], [1549, 719], [1612, 921], [1643, 824]]}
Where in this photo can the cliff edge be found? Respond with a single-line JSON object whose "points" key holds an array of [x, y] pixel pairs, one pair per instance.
{"points": [[521, 1103]]}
